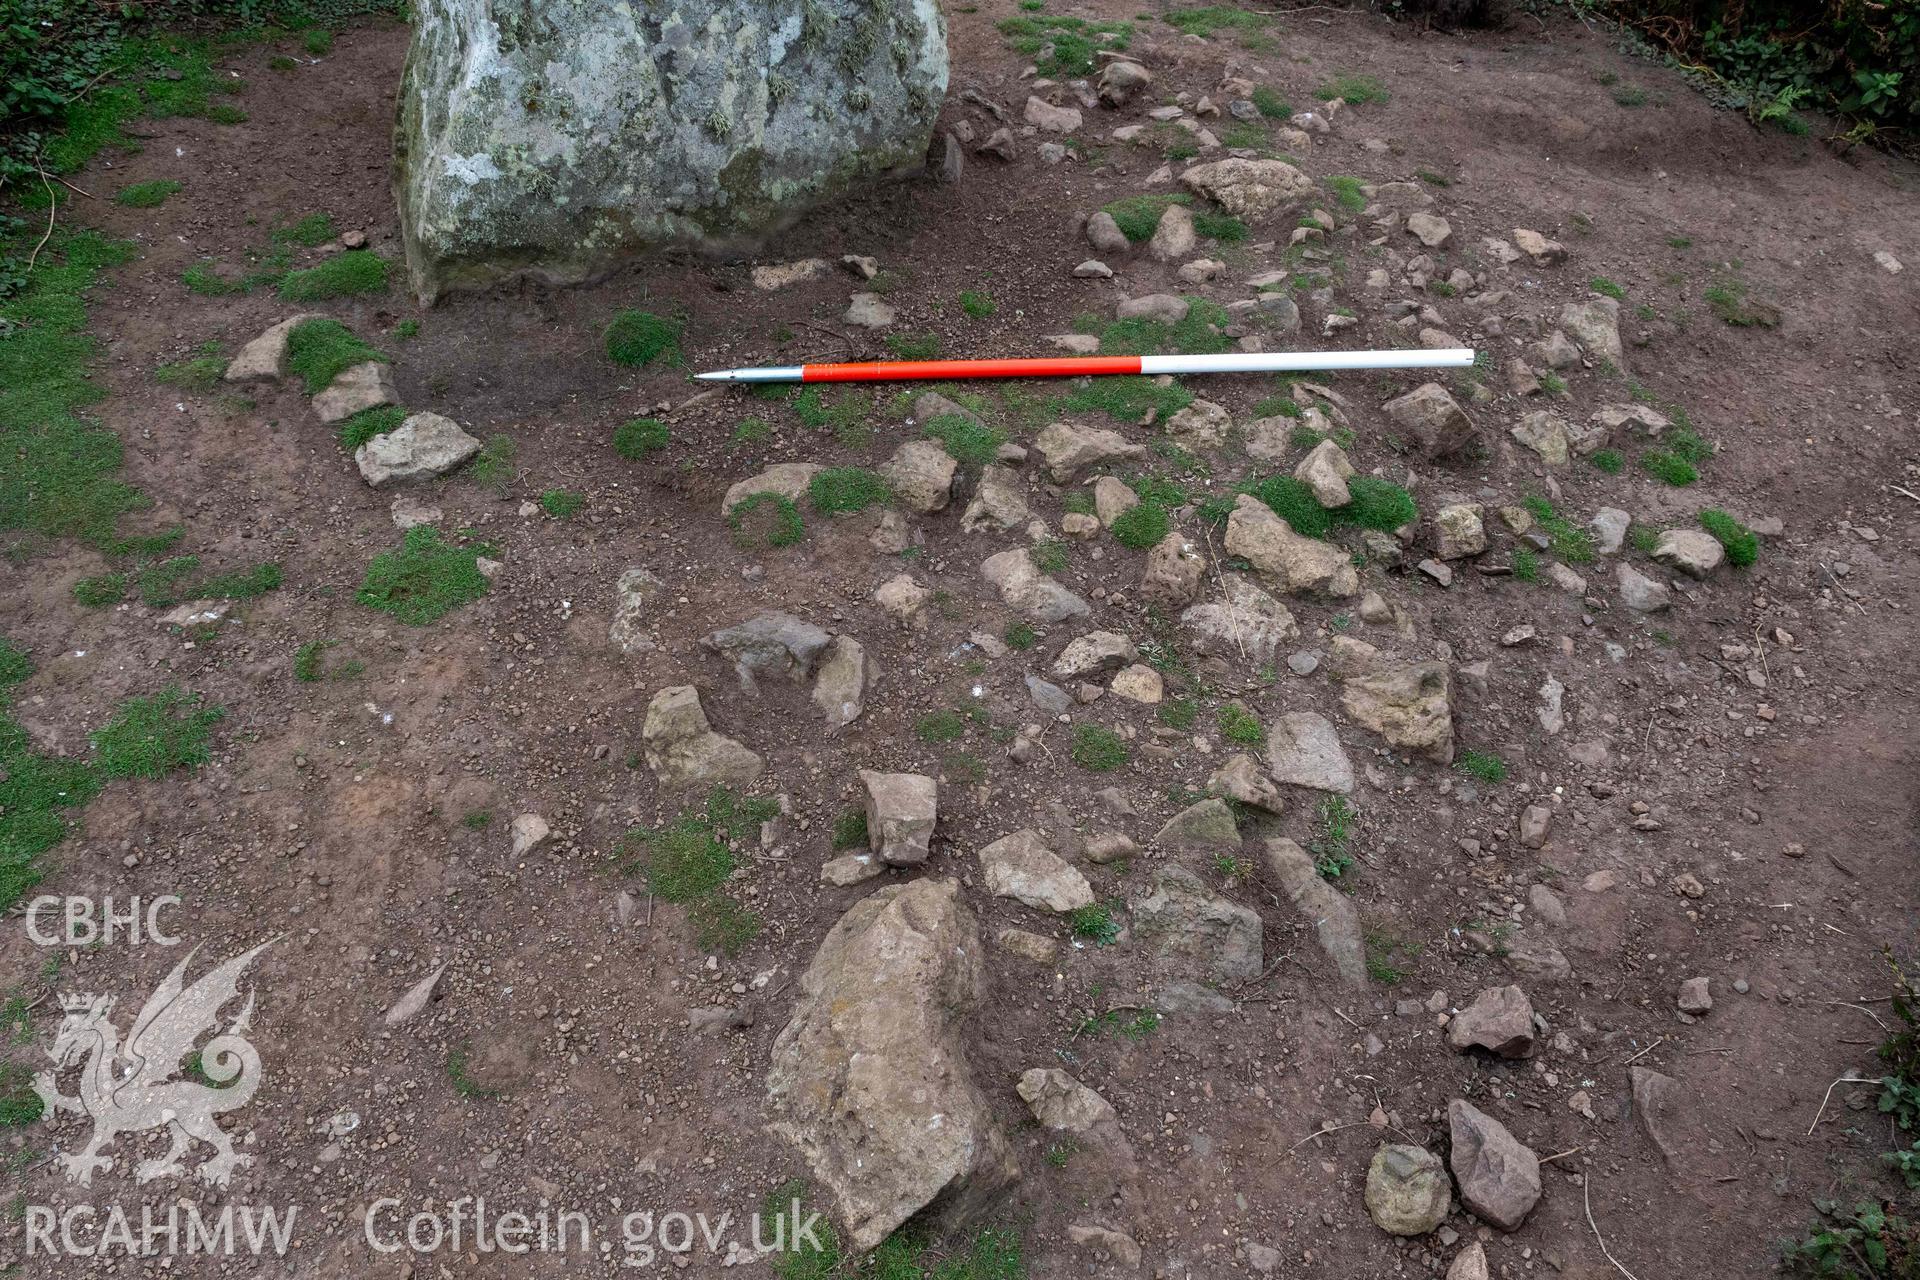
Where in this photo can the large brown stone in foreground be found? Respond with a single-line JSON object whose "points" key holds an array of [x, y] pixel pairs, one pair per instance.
{"points": [[869, 1080]]}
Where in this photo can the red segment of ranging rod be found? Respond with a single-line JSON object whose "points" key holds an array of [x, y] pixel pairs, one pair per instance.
{"points": [[891, 370]]}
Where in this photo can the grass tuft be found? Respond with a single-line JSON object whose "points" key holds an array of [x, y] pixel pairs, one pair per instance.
{"points": [[1741, 543], [1569, 541], [318, 351], [766, 519], [368, 423], [969, 442], [149, 736], [355, 272], [146, 195], [846, 489], [1484, 765], [424, 580], [1354, 90], [638, 437], [1098, 749], [637, 338], [1141, 526]]}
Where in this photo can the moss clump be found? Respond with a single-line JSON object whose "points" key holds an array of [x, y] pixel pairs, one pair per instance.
{"points": [[424, 580], [637, 338], [368, 423], [968, 441], [1098, 749], [1376, 504], [1064, 47], [1126, 398], [355, 272], [1138, 216], [1141, 526], [1741, 543], [766, 519], [318, 351], [846, 489], [101, 590], [1237, 724], [638, 437], [562, 504], [146, 195], [1202, 331]]}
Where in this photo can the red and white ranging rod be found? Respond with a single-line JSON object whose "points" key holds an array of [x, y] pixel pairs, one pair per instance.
{"points": [[1081, 366]]}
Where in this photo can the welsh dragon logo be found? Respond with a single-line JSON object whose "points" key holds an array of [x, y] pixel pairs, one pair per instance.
{"points": [[134, 1087]]}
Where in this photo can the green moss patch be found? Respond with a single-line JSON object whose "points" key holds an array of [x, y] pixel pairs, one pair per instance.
{"points": [[425, 579], [638, 338], [318, 351], [355, 272]]}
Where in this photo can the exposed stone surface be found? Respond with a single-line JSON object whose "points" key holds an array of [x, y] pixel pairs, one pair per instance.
{"points": [[1293, 562], [770, 644], [1595, 325], [1459, 530], [1694, 552], [683, 750], [840, 688], [1409, 705], [1029, 592], [358, 387], [1695, 997], [266, 356], [1061, 1103], [902, 809], [998, 504], [1326, 470], [1545, 433], [787, 480], [1248, 622], [1173, 236], [1095, 653], [560, 145], [1022, 867], [1336, 924], [633, 606], [1189, 930], [1440, 425], [1138, 683], [1303, 750], [1205, 825], [1536, 246], [1250, 189], [423, 446], [1500, 1020], [876, 1048], [920, 473], [1175, 572], [1407, 1190], [1069, 448], [528, 832], [1429, 229], [1242, 779], [1499, 1176], [1639, 592]]}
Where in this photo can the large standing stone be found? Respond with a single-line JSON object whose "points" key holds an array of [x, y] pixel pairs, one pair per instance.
{"points": [[1189, 930], [869, 1079], [1499, 1176], [901, 811], [1410, 706], [1022, 867], [1407, 1190], [423, 446], [683, 750], [558, 140], [1326, 470]]}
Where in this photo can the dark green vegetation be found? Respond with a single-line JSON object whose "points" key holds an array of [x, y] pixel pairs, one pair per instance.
{"points": [[637, 338], [638, 437], [1095, 923], [562, 504], [1063, 47], [425, 579], [495, 465], [977, 304], [1098, 749], [766, 519], [1020, 636], [1270, 104], [1239, 725], [196, 373], [1141, 526], [1770, 58], [913, 346], [1682, 448], [690, 861], [967, 441], [461, 1079], [318, 351], [1377, 504], [1049, 556], [146, 195], [850, 830], [1200, 332], [1355, 90], [1742, 545], [363, 426], [1137, 216], [1484, 765], [1331, 857], [1526, 565], [145, 738], [1569, 541], [1611, 461], [164, 583], [355, 272], [842, 489], [1732, 301], [987, 1253], [940, 726]]}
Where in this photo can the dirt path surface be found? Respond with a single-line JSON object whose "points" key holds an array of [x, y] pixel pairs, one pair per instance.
{"points": [[1730, 782]]}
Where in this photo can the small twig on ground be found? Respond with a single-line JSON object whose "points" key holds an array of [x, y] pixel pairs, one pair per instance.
{"points": [[69, 186], [1344, 1018], [52, 204], [1332, 1128], [692, 400], [820, 328], [1848, 1004], [1558, 1154], [1586, 1192], [1908, 493], [1644, 1052], [1829, 1093], [1840, 589]]}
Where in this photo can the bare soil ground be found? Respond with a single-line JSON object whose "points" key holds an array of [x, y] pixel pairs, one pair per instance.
{"points": [[335, 813]]}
